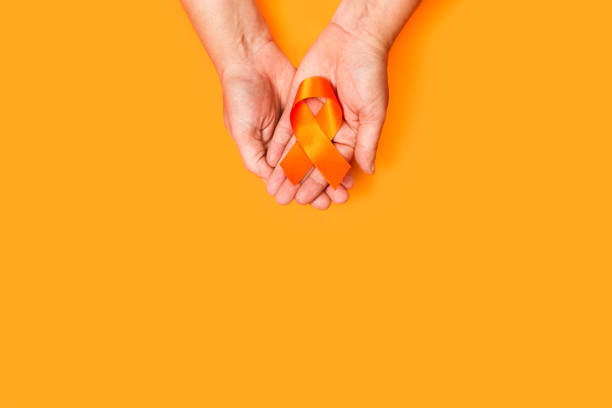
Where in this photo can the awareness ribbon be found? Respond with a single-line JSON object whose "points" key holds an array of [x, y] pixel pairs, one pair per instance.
{"points": [[314, 135]]}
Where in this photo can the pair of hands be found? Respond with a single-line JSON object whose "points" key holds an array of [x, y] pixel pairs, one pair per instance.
{"points": [[257, 97], [259, 84]]}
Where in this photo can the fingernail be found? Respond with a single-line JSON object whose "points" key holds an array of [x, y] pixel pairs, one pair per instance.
{"points": [[372, 168]]}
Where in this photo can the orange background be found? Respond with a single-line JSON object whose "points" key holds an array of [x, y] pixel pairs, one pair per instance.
{"points": [[142, 266]]}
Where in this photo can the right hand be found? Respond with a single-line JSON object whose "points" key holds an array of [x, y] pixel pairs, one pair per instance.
{"points": [[255, 92]]}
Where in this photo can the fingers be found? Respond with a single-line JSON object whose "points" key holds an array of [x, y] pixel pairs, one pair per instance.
{"points": [[278, 180], [322, 202], [348, 181], [253, 156], [278, 177], [275, 181], [313, 189], [315, 183], [282, 135], [286, 192], [368, 135], [339, 195]]}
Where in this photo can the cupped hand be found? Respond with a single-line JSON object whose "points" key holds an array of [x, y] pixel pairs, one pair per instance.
{"points": [[357, 67], [255, 92]]}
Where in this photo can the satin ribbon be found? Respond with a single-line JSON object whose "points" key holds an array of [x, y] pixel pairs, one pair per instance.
{"points": [[314, 135]]}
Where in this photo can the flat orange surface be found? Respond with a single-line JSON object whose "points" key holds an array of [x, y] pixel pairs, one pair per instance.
{"points": [[142, 266]]}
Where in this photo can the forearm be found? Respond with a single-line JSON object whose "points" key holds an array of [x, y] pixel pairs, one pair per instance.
{"points": [[379, 21], [230, 30]]}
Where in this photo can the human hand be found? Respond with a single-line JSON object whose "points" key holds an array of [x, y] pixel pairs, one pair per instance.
{"points": [[357, 67], [255, 92], [255, 75]]}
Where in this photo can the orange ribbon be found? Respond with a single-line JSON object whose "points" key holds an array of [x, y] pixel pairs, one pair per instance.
{"points": [[314, 135]]}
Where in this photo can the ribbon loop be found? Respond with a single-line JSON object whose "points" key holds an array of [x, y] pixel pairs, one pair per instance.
{"points": [[314, 135]]}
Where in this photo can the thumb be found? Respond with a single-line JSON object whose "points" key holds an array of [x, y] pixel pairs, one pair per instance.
{"points": [[368, 135]]}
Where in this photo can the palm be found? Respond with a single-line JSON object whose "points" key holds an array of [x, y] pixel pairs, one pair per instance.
{"points": [[358, 71]]}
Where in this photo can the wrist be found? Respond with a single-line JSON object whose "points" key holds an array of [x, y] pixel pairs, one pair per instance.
{"points": [[377, 22], [240, 51], [230, 30], [356, 18], [250, 60]]}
